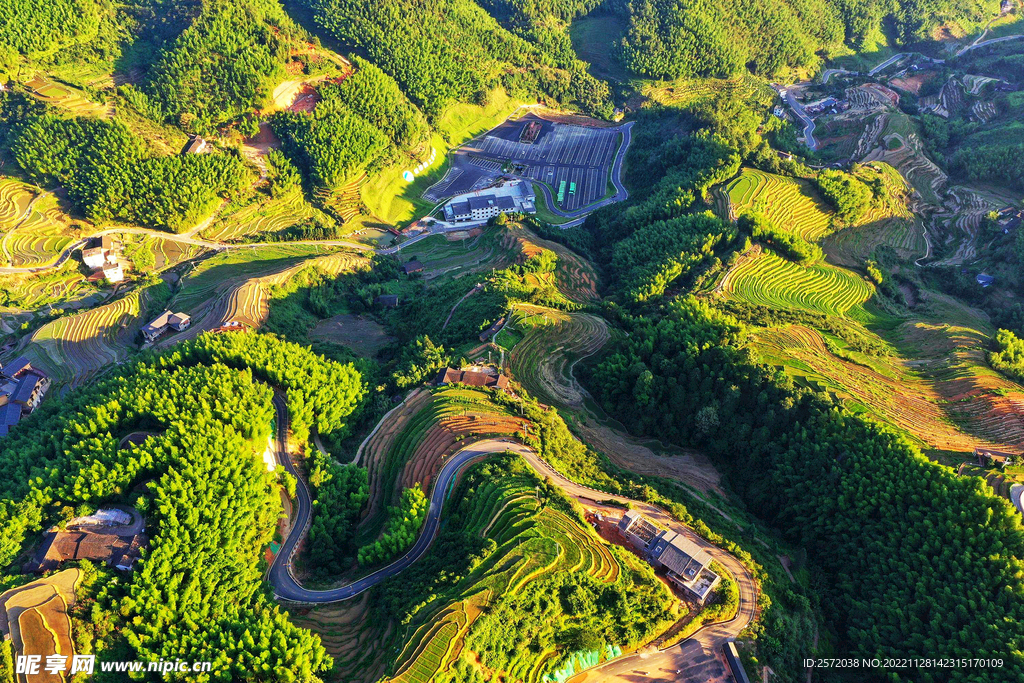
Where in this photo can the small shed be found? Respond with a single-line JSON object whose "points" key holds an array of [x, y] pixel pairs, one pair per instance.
{"points": [[410, 267]]}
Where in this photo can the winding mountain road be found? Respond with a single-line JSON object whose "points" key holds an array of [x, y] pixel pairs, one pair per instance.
{"points": [[281, 577], [808, 122], [696, 657]]}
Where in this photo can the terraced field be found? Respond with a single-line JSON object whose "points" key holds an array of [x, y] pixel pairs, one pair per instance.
{"points": [[15, 198], [773, 281], [66, 97], [441, 256], [410, 447], [894, 225], [234, 286], [62, 287], [886, 388], [949, 348], [353, 634], [574, 277], [26, 247], [264, 216], [788, 202], [686, 91], [552, 343], [36, 616], [534, 543], [75, 348]]}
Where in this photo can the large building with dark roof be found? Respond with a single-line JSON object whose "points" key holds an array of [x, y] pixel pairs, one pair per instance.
{"points": [[472, 378], [58, 547], [511, 197], [22, 388], [685, 563]]}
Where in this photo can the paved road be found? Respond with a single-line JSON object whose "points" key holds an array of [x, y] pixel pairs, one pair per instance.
{"points": [[621, 193], [990, 41], [185, 239], [284, 584], [798, 109], [696, 657], [829, 73]]}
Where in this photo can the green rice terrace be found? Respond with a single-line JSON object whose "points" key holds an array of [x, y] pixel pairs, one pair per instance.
{"points": [[534, 545], [770, 280], [788, 202]]}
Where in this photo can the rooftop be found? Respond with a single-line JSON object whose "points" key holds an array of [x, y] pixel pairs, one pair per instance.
{"points": [[16, 366]]}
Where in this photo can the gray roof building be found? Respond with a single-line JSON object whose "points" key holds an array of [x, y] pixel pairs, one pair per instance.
{"points": [[16, 366]]}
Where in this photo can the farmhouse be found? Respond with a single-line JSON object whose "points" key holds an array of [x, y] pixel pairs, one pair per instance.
{"points": [[492, 330], [388, 300], [410, 267], [101, 259], [984, 280], [163, 322], [512, 197], [22, 388], [473, 377], [987, 456], [93, 258], [112, 272], [119, 552], [685, 563], [196, 145]]}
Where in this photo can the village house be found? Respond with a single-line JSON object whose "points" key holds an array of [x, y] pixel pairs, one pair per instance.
{"points": [[179, 322], [989, 457], [22, 388], [102, 259], [119, 552], [473, 377], [410, 267], [196, 145], [112, 272], [684, 562]]}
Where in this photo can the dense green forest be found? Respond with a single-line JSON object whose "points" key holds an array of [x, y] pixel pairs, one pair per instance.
{"points": [[36, 28], [340, 493], [376, 97], [331, 146], [454, 51], [686, 38], [223, 65], [902, 540], [110, 174], [1008, 358], [197, 594]]}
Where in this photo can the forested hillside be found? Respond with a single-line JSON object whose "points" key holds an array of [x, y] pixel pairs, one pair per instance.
{"points": [[902, 541], [209, 502], [673, 38], [111, 176], [35, 28], [223, 65], [454, 51]]}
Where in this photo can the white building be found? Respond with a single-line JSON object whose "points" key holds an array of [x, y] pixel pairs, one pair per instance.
{"points": [[112, 272], [510, 197], [94, 258]]}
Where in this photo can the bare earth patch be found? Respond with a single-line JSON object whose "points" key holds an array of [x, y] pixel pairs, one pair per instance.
{"points": [[363, 335]]}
